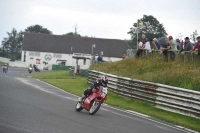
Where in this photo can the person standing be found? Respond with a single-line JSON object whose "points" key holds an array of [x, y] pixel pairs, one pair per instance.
{"points": [[188, 46], [173, 46], [197, 47], [178, 44], [165, 50], [140, 46], [144, 39], [156, 42], [153, 44], [147, 46]]}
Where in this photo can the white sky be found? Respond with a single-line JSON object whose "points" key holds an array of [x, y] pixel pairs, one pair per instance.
{"points": [[99, 18]]}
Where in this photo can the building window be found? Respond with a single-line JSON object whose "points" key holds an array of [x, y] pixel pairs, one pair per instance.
{"points": [[34, 54], [31, 53], [57, 55], [37, 54]]}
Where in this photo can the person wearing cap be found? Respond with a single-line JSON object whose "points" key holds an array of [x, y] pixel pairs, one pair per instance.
{"points": [[188, 45], [173, 46]]}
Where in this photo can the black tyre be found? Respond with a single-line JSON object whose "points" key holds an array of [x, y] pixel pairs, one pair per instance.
{"points": [[95, 107], [78, 106]]}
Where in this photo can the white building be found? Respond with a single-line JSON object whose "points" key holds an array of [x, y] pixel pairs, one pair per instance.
{"points": [[46, 50]]}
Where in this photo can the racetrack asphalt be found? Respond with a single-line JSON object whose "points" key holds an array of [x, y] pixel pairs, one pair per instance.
{"points": [[28, 105]]}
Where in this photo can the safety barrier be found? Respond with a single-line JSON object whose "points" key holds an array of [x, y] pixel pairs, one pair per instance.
{"points": [[174, 99]]}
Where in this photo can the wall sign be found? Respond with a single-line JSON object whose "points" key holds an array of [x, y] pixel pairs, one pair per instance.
{"points": [[48, 57]]}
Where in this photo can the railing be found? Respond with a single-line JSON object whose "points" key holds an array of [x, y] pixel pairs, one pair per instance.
{"points": [[174, 99]]}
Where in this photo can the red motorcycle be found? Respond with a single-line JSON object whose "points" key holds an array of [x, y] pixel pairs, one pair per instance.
{"points": [[93, 102]]}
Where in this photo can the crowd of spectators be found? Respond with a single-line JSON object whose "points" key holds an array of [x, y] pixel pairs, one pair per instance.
{"points": [[171, 45]]}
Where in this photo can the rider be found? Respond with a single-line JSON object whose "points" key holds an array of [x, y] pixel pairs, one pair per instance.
{"points": [[103, 81], [5, 66]]}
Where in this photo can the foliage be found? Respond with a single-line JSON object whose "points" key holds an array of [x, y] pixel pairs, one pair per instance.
{"points": [[38, 29], [177, 73], [151, 28], [12, 44], [72, 34], [77, 85], [193, 36]]}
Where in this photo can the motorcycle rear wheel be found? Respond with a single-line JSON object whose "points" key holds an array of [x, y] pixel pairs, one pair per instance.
{"points": [[78, 106], [94, 108]]}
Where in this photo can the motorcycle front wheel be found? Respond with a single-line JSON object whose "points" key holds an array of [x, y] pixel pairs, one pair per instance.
{"points": [[79, 106], [94, 108]]}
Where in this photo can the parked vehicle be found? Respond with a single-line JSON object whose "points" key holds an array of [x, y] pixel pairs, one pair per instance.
{"points": [[36, 69], [30, 69], [93, 102]]}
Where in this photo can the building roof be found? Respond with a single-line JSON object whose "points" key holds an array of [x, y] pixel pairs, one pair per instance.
{"points": [[62, 44]]}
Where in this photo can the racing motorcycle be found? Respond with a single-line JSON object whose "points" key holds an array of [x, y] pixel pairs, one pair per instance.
{"points": [[4, 70], [93, 102], [30, 69], [36, 69]]}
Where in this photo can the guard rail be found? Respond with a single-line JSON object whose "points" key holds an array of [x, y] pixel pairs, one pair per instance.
{"points": [[174, 99]]}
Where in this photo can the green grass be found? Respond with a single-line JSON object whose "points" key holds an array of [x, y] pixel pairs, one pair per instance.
{"points": [[1, 64], [77, 85], [177, 73]]}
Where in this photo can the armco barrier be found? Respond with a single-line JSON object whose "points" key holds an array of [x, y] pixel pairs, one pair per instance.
{"points": [[174, 99]]}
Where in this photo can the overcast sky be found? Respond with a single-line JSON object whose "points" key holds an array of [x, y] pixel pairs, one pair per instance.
{"points": [[99, 18]]}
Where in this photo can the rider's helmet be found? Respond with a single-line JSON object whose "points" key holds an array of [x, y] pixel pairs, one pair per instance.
{"points": [[104, 80]]}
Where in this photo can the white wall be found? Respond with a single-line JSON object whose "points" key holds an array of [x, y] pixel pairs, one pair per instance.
{"points": [[5, 60], [70, 61]]}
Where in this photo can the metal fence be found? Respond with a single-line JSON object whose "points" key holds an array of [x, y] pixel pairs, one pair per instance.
{"points": [[174, 99]]}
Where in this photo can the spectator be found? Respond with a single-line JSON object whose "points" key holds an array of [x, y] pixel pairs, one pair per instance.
{"points": [[124, 56], [182, 44], [147, 46], [178, 44], [197, 46], [153, 44], [156, 42], [139, 52], [144, 39], [188, 45], [165, 50], [96, 58], [100, 59], [173, 46]]}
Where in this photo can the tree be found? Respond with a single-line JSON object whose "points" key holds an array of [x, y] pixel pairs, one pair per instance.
{"points": [[12, 44], [5, 47], [72, 34], [151, 28], [194, 36], [75, 33], [38, 29]]}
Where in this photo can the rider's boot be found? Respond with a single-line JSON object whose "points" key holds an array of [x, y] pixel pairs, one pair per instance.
{"points": [[81, 98]]}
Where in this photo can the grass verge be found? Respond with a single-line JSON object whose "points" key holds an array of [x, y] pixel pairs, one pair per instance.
{"points": [[77, 85], [175, 73]]}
